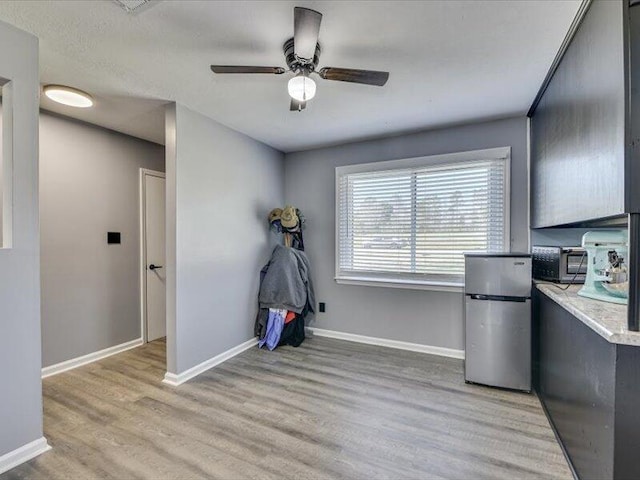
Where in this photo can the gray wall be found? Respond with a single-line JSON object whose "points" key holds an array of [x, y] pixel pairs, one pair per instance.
{"points": [[222, 185], [170, 229], [21, 392], [89, 185], [423, 317], [561, 237]]}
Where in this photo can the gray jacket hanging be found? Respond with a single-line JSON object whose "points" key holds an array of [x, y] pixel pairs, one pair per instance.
{"points": [[286, 281]]}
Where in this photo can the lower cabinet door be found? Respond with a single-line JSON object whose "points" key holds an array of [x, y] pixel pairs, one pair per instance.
{"points": [[498, 343]]}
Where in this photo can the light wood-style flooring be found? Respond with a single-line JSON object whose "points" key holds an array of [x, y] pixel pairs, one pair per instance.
{"points": [[328, 409]]}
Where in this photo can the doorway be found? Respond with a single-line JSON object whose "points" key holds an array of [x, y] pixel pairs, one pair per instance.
{"points": [[152, 253]]}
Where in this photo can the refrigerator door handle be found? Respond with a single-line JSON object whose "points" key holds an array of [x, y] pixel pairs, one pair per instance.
{"points": [[479, 297], [497, 298]]}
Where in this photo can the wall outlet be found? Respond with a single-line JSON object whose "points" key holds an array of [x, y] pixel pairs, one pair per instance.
{"points": [[322, 307], [113, 238]]}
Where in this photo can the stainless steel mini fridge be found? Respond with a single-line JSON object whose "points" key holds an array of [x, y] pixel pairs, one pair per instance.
{"points": [[498, 320]]}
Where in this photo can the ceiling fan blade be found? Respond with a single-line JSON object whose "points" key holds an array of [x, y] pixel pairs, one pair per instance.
{"points": [[306, 28], [367, 77], [297, 106], [245, 69]]}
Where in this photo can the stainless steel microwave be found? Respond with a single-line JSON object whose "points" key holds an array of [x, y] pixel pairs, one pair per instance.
{"points": [[559, 264]]}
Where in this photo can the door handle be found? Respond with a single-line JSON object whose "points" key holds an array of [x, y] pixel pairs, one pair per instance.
{"points": [[479, 297], [154, 267]]}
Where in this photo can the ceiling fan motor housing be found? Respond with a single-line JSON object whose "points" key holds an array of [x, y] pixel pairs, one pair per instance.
{"points": [[297, 64], [302, 54]]}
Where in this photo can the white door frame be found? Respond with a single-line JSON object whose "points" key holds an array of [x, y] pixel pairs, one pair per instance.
{"points": [[143, 251]]}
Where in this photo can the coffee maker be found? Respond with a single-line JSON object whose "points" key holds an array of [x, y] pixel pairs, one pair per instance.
{"points": [[607, 274]]}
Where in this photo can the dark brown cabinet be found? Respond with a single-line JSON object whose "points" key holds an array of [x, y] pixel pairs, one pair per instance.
{"points": [[585, 143], [589, 389]]}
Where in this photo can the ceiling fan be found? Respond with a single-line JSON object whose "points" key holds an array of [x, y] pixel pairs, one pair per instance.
{"points": [[302, 53]]}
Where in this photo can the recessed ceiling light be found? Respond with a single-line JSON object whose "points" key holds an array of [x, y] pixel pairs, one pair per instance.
{"points": [[71, 97]]}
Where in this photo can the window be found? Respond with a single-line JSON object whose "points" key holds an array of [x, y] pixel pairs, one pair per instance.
{"points": [[409, 222]]}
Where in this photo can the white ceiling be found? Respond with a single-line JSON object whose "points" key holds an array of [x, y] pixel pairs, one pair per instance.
{"points": [[449, 62]]}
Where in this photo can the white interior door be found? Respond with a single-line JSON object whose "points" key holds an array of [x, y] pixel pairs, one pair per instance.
{"points": [[154, 255]]}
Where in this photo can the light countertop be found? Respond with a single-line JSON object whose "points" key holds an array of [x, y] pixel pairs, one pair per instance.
{"points": [[609, 320]]}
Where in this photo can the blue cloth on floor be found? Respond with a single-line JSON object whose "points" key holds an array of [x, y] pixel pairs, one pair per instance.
{"points": [[275, 324]]}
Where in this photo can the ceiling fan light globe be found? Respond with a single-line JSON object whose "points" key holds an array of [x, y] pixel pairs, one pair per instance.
{"points": [[301, 88]]}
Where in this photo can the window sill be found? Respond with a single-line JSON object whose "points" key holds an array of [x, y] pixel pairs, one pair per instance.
{"points": [[406, 284]]}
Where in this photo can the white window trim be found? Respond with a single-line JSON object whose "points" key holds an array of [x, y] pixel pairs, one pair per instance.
{"points": [[401, 283], [500, 153]]}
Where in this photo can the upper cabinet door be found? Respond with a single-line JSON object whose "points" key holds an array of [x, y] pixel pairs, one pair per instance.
{"points": [[632, 172], [578, 126]]}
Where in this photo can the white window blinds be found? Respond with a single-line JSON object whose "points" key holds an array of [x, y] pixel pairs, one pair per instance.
{"points": [[415, 223]]}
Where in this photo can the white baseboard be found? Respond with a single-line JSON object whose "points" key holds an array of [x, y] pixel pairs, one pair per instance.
{"points": [[178, 379], [89, 358], [383, 342], [23, 454]]}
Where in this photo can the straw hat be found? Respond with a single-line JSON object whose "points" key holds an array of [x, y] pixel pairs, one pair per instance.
{"points": [[275, 214], [288, 218]]}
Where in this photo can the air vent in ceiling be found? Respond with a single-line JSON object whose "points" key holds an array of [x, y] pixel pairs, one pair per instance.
{"points": [[133, 6]]}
